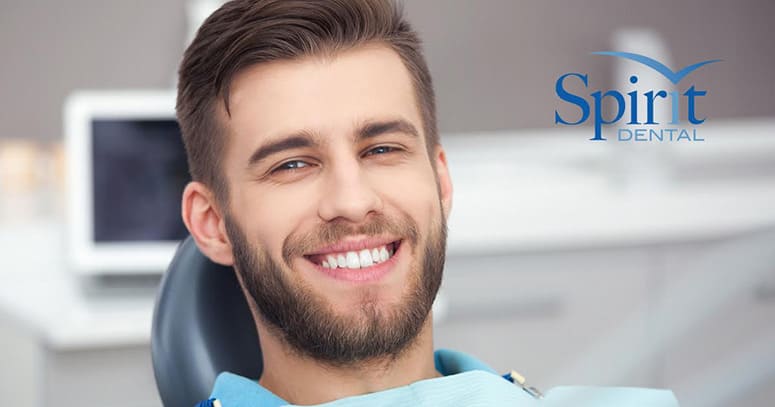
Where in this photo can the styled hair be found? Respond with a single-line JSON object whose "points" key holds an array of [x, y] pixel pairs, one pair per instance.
{"points": [[243, 33]]}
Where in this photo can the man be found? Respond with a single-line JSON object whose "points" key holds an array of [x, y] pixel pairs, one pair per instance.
{"points": [[310, 128], [311, 134]]}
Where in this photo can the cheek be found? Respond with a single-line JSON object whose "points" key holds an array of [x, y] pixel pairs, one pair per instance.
{"points": [[271, 216], [414, 193]]}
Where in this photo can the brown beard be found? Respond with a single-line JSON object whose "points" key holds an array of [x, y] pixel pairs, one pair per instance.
{"points": [[307, 323]]}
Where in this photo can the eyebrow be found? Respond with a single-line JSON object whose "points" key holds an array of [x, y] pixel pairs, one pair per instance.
{"points": [[299, 140], [374, 129], [306, 139]]}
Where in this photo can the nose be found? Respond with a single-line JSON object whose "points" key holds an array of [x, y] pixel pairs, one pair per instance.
{"points": [[348, 194]]}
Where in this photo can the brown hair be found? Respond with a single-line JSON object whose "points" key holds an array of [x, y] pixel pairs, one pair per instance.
{"points": [[243, 33]]}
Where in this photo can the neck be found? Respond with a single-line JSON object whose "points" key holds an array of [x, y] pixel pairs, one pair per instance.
{"points": [[301, 380]]}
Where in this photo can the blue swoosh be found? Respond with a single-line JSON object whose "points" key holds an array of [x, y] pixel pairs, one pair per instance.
{"points": [[674, 77]]}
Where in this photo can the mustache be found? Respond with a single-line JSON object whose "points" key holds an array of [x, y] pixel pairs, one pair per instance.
{"points": [[336, 230]]}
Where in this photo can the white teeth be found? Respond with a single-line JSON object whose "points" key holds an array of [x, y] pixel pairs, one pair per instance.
{"points": [[353, 261], [359, 259], [365, 258], [332, 262]]}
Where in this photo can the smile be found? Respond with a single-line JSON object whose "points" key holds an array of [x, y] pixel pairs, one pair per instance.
{"points": [[356, 259]]}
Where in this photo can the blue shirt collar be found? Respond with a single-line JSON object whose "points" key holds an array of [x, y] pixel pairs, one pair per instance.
{"points": [[237, 391]]}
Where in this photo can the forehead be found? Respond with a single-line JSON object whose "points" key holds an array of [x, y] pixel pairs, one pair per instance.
{"points": [[328, 96]]}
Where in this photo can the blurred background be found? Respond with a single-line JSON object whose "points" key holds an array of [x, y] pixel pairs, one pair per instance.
{"points": [[573, 262]]}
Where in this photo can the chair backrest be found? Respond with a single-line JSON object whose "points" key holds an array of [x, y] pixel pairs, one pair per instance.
{"points": [[201, 326]]}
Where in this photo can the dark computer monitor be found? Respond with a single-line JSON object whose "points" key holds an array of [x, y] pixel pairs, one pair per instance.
{"points": [[126, 172]]}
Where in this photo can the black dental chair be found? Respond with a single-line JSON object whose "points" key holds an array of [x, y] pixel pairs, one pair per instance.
{"points": [[201, 327]]}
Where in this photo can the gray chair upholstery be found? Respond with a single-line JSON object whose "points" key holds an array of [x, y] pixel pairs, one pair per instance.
{"points": [[201, 326]]}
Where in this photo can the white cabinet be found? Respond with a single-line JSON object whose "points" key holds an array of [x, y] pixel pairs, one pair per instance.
{"points": [[33, 374], [697, 318], [556, 317], [116, 376], [717, 302]]}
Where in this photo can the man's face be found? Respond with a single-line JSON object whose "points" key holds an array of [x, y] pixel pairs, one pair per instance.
{"points": [[335, 213]]}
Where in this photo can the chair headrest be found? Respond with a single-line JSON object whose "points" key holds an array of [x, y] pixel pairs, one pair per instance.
{"points": [[201, 326]]}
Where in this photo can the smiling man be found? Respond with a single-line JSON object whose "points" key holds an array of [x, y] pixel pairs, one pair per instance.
{"points": [[310, 129], [318, 174]]}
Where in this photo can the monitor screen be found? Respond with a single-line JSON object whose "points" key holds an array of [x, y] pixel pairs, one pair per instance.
{"points": [[126, 171], [139, 172]]}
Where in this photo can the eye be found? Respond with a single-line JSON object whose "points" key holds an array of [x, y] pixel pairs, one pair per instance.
{"points": [[290, 166], [380, 150]]}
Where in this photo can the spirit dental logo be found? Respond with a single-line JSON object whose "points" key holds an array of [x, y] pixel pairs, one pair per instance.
{"points": [[633, 131]]}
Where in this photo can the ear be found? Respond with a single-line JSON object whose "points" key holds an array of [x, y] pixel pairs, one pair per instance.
{"points": [[205, 223], [444, 180]]}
